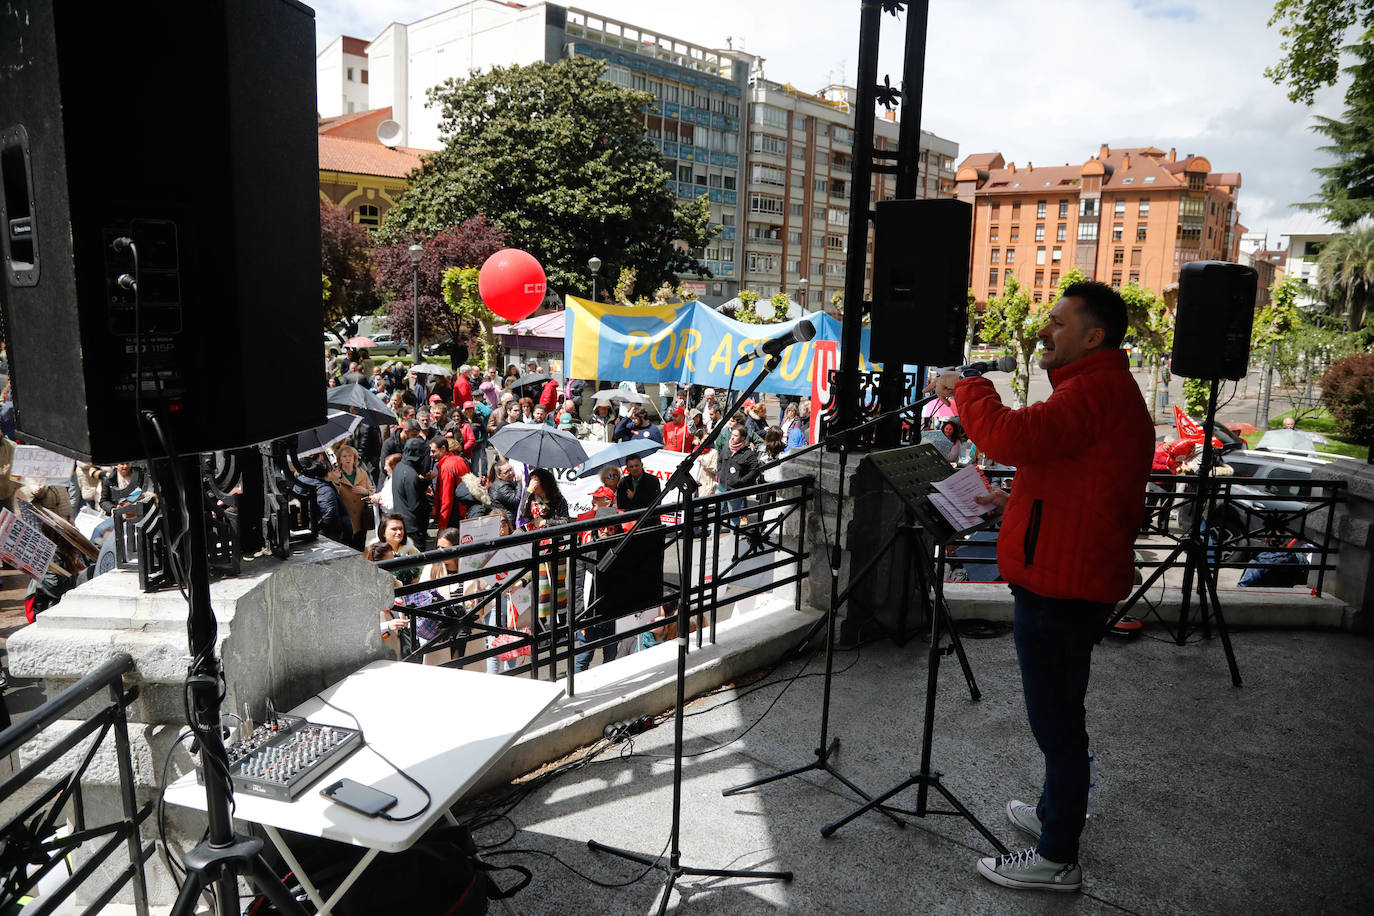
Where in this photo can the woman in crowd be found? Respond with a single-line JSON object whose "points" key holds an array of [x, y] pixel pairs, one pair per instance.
{"points": [[544, 505], [602, 422], [394, 533], [392, 623], [610, 477], [355, 489], [426, 628], [526, 411]]}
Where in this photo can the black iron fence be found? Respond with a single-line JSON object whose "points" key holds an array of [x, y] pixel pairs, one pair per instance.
{"points": [[532, 602], [37, 840], [1281, 525]]}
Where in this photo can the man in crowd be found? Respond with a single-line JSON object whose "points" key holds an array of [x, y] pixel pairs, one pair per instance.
{"points": [[448, 472], [637, 490], [408, 486], [676, 437], [1082, 459], [462, 385], [637, 426], [738, 467]]}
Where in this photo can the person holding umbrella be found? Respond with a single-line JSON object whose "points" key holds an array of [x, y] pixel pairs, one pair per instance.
{"points": [[544, 504]]}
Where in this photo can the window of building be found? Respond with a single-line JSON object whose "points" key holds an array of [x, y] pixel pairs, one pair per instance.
{"points": [[794, 237], [1015, 235], [1144, 207], [1015, 209], [834, 241], [1040, 209], [1087, 232], [820, 185], [767, 143], [794, 267], [992, 279], [1088, 207], [818, 241], [1040, 255], [1135, 257], [1011, 255], [1056, 254], [1149, 179], [995, 257], [1128, 180], [797, 210], [656, 87], [1120, 209], [727, 219], [1140, 232], [798, 151], [763, 262], [842, 134], [715, 180], [639, 82], [1036, 296], [822, 159], [1116, 232], [767, 174], [1054, 278], [350, 74], [701, 179], [1063, 209], [798, 180], [1116, 279], [684, 173], [763, 114], [670, 92], [822, 130], [761, 203], [1039, 278], [834, 267], [1040, 232], [839, 217], [363, 79], [1061, 232], [1118, 256], [729, 182], [992, 233], [818, 214], [996, 209], [1191, 206], [689, 96], [618, 75], [369, 215], [1135, 277]]}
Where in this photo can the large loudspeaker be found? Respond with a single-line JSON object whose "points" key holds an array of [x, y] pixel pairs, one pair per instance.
{"points": [[1216, 308], [188, 128], [920, 282]]}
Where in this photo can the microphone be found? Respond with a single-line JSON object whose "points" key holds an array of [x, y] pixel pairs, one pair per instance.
{"points": [[801, 331], [1000, 364]]}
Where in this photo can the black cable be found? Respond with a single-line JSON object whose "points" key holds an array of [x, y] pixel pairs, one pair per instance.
{"points": [[583, 875], [174, 865], [429, 800]]}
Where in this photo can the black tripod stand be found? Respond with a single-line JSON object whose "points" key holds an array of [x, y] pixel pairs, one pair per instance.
{"points": [[825, 749], [908, 470], [1198, 557], [223, 855], [682, 482]]}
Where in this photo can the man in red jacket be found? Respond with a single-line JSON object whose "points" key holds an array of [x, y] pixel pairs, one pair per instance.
{"points": [[448, 471], [1082, 460]]}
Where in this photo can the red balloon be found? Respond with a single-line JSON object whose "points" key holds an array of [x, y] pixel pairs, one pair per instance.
{"points": [[511, 283]]}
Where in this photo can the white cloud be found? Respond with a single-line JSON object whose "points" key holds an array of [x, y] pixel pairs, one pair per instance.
{"points": [[1041, 82]]}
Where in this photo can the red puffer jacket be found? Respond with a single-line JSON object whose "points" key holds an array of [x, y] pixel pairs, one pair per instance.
{"points": [[1082, 459]]}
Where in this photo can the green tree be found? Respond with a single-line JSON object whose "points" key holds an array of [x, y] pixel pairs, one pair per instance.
{"points": [[748, 300], [1347, 190], [556, 157], [1011, 321], [465, 302], [1303, 354], [1345, 274], [1279, 316], [1149, 322], [347, 264], [1312, 33]]}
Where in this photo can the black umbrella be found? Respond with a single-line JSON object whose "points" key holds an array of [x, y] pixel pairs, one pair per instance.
{"points": [[529, 379], [360, 402], [338, 427], [539, 446]]}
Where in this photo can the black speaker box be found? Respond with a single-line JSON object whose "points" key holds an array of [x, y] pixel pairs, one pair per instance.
{"points": [[189, 129], [920, 282], [1216, 308]]}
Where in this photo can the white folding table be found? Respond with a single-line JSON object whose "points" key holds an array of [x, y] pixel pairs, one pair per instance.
{"points": [[443, 726]]}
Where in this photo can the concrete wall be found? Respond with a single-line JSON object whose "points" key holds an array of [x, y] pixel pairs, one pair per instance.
{"points": [[1353, 580]]}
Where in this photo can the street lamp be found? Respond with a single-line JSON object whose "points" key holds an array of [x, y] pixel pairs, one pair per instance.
{"points": [[416, 253], [801, 292], [594, 265]]}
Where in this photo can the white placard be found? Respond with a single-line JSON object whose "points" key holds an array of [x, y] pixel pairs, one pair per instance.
{"points": [[36, 465], [23, 545], [471, 531]]}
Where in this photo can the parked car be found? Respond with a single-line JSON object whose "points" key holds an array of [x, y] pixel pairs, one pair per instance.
{"points": [[386, 345], [438, 348], [1257, 505]]}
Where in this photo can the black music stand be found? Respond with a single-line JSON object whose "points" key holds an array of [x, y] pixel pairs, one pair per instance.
{"points": [[911, 473], [1195, 551]]}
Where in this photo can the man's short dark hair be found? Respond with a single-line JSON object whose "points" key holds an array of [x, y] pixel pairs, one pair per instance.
{"points": [[1102, 308]]}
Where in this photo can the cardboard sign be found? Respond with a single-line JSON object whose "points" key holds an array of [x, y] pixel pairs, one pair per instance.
{"points": [[472, 531], [37, 465], [23, 545]]}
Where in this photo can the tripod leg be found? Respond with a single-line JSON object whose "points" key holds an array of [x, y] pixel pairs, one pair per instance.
{"points": [[1225, 635], [968, 815], [186, 900], [974, 693]]}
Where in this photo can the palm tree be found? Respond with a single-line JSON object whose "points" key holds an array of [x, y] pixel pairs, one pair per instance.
{"points": [[1345, 273]]}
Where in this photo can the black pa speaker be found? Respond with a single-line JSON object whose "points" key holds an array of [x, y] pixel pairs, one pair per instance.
{"points": [[920, 282], [1216, 307], [187, 130]]}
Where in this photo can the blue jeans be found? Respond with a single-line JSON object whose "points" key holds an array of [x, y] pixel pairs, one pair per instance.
{"points": [[590, 634], [1054, 645]]}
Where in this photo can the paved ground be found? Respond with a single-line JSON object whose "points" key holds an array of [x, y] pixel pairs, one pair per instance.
{"points": [[1210, 798]]}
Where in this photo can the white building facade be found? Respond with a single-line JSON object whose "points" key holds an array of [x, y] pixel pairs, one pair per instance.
{"points": [[341, 77]]}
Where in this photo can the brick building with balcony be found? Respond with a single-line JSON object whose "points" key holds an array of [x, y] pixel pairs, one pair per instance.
{"points": [[1130, 214]]}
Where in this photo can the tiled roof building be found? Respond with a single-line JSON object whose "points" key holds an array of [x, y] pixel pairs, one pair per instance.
{"points": [[1129, 214], [359, 173]]}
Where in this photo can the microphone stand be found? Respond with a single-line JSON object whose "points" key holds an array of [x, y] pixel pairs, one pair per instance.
{"points": [[682, 481]]}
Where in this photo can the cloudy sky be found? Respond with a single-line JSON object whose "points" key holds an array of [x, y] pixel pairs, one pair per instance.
{"points": [[1046, 83]]}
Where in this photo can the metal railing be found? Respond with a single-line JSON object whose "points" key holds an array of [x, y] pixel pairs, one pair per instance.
{"points": [[30, 846], [737, 553], [1279, 517]]}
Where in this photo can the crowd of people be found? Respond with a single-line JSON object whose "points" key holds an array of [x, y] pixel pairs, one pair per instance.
{"points": [[401, 488]]}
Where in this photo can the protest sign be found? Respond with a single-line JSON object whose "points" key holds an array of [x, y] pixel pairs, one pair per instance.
{"points": [[23, 545]]}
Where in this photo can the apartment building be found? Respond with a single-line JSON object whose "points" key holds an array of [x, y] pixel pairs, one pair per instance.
{"points": [[1124, 215], [801, 160]]}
